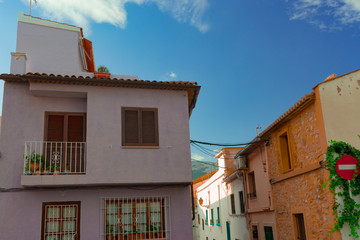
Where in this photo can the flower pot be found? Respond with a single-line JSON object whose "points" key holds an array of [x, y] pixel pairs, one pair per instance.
{"points": [[149, 235], [102, 75], [110, 237], [34, 166]]}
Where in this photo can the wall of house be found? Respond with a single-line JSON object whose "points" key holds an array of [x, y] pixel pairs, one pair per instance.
{"points": [[23, 210], [107, 161], [302, 193], [340, 107], [260, 209], [216, 193], [49, 49]]}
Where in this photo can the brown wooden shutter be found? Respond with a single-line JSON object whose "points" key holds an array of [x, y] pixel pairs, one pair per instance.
{"points": [[148, 127], [55, 128], [76, 129], [131, 127]]}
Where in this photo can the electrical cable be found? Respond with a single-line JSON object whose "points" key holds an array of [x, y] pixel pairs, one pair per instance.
{"points": [[226, 144]]}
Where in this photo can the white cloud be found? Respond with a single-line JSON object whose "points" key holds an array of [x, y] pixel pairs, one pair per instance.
{"points": [[327, 15], [197, 157], [83, 12], [172, 74]]}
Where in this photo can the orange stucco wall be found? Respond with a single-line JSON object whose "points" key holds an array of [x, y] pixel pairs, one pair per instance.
{"points": [[302, 193]]}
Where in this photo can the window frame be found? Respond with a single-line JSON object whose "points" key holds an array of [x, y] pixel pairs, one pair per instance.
{"points": [[139, 144], [252, 186], [78, 215], [283, 149], [232, 204], [218, 216], [164, 227], [242, 202]]}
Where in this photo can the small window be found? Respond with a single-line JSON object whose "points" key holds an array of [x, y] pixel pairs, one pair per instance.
{"points": [[252, 185], [212, 217], [300, 226], [285, 152], [242, 202], [232, 200], [218, 216], [268, 230], [203, 224], [61, 220], [207, 217], [140, 127], [199, 219], [255, 233]]}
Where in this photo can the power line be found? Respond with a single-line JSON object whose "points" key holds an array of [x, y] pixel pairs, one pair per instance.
{"points": [[226, 144]]}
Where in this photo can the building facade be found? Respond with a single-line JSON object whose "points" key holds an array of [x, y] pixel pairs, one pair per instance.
{"points": [[219, 211], [84, 157]]}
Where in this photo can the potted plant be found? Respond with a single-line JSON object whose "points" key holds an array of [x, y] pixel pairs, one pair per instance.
{"points": [[102, 72], [56, 170], [110, 234], [67, 170], [34, 161], [150, 231]]}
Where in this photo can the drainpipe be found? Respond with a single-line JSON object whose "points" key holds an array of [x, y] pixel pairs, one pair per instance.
{"points": [[193, 203]]}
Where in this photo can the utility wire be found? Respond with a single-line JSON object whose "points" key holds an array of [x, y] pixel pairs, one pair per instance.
{"points": [[226, 144]]}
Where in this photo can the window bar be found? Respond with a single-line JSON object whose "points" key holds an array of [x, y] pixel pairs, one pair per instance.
{"points": [[76, 158], [71, 159], [85, 152], [25, 154], [66, 157], [80, 145]]}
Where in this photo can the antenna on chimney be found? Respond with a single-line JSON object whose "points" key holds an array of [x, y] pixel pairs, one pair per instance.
{"points": [[30, 6], [258, 128]]}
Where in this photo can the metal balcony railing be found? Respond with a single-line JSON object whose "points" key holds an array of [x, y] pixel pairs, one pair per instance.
{"points": [[54, 158]]}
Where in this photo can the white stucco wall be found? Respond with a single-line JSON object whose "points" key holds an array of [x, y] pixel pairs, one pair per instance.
{"points": [[216, 193]]}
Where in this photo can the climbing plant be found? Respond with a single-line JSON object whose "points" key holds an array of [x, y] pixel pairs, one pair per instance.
{"points": [[349, 211]]}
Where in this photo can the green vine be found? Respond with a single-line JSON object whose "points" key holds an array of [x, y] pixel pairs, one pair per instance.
{"points": [[345, 189]]}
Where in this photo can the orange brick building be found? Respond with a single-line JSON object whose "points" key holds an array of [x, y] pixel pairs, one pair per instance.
{"points": [[295, 151]]}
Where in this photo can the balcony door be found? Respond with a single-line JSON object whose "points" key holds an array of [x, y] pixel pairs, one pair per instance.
{"points": [[65, 134]]}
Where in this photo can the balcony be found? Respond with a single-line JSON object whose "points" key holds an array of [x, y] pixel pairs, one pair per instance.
{"points": [[54, 158]]}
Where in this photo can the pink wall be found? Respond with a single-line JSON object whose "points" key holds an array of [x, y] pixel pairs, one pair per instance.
{"points": [[107, 161], [258, 164], [21, 211], [49, 50]]}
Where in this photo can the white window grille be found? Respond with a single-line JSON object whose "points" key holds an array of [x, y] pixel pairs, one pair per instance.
{"points": [[135, 218], [61, 221]]}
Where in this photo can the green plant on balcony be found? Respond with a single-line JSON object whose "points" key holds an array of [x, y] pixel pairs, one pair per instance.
{"points": [[102, 69], [34, 162]]}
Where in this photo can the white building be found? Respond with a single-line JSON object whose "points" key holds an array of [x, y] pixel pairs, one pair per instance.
{"points": [[221, 210]]}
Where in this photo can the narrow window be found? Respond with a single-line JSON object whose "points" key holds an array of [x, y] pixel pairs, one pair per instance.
{"points": [[300, 226], [252, 186], [285, 151], [140, 127], [255, 232], [60, 220], [199, 219], [203, 224], [242, 202], [218, 216], [232, 200], [207, 218], [212, 217]]}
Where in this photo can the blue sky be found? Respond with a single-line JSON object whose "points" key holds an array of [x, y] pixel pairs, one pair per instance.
{"points": [[253, 58]]}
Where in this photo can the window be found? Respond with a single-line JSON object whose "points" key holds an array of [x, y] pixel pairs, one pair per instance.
{"points": [[212, 217], [232, 202], [218, 216], [138, 218], [207, 217], [300, 226], [64, 145], [198, 218], [252, 186], [242, 202], [140, 127], [255, 233], [203, 224], [60, 220], [285, 152]]}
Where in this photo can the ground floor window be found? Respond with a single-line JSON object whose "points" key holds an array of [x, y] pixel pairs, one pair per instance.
{"points": [[60, 221], [135, 218]]}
